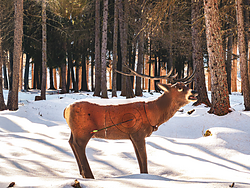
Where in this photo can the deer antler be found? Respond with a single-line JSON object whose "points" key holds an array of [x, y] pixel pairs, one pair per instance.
{"points": [[172, 79]]}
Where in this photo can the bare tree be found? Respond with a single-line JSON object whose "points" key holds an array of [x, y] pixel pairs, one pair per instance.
{"points": [[123, 43], [115, 57], [97, 50], [138, 89], [197, 55], [2, 104], [104, 50], [220, 96], [63, 78], [44, 52], [12, 103], [229, 61], [127, 89], [243, 54]]}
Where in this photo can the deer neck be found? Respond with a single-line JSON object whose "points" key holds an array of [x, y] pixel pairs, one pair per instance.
{"points": [[161, 110]]}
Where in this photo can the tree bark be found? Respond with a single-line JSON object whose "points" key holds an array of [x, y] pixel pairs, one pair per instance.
{"points": [[104, 93], [6, 85], [2, 104], [97, 50], [149, 64], [234, 67], [219, 91], [44, 52], [243, 54], [92, 72], [76, 89], [12, 103], [84, 84], [51, 79], [229, 62], [115, 57], [197, 56], [170, 63], [127, 89], [69, 68], [138, 89], [123, 43], [20, 86], [26, 73], [55, 78], [63, 78]]}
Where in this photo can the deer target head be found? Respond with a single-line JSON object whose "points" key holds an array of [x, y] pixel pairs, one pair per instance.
{"points": [[179, 91]]}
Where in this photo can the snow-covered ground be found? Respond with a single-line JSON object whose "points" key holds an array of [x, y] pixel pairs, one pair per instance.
{"points": [[34, 149]]}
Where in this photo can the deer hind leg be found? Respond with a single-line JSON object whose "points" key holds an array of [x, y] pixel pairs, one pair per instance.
{"points": [[79, 149], [140, 151]]}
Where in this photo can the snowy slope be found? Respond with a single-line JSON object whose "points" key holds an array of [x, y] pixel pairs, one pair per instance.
{"points": [[34, 149]]}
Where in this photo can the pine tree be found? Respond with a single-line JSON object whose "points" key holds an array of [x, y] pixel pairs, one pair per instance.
{"points": [[243, 54], [219, 91], [12, 103]]}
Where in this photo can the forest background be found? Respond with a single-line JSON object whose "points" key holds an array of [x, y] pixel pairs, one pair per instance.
{"points": [[75, 36]]}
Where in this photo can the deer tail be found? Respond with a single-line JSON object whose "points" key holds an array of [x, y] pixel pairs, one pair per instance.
{"points": [[66, 112]]}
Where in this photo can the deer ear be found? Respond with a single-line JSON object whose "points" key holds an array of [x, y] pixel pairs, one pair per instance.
{"points": [[163, 87]]}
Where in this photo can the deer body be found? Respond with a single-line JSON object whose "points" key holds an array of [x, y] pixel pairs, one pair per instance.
{"points": [[140, 120]]}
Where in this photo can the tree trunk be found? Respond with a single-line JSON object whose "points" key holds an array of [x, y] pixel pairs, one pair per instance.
{"points": [[127, 89], [92, 72], [97, 50], [197, 56], [234, 67], [35, 75], [219, 91], [170, 64], [123, 44], [84, 84], [129, 83], [104, 93], [229, 62], [138, 89], [6, 85], [63, 78], [156, 73], [115, 57], [243, 54], [44, 52], [149, 64], [55, 78], [51, 79], [21, 74], [26, 73], [2, 104], [10, 68], [72, 76], [68, 70], [18, 34], [77, 78]]}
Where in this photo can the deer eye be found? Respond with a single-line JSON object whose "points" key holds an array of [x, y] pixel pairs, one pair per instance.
{"points": [[180, 89]]}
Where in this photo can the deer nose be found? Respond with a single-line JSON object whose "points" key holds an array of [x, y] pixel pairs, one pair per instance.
{"points": [[194, 92]]}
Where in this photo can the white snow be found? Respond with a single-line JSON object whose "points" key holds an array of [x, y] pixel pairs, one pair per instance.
{"points": [[34, 149]]}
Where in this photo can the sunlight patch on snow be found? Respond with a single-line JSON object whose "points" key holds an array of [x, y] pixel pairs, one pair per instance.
{"points": [[27, 125]]}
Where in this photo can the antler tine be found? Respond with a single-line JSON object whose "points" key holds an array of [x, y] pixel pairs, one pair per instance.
{"points": [[126, 74], [187, 78], [134, 73]]}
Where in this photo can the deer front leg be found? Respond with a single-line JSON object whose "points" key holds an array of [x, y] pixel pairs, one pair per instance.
{"points": [[79, 149], [140, 151]]}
